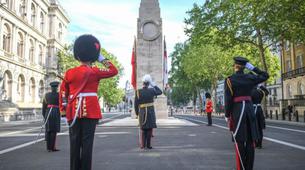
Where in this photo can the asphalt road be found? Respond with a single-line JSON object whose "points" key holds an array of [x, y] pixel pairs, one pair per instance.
{"points": [[176, 147]]}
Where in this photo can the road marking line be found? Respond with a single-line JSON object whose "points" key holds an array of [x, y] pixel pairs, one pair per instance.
{"points": [[16, 132], [288, 129], [275, 127], [19, 146], [266, 138], [39, 140]]}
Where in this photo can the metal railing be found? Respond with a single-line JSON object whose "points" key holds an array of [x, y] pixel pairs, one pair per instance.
{"points": [[294, 73]]}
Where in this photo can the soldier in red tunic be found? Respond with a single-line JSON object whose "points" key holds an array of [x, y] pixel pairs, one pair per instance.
{"points": [[209, 108], [79, 100]]}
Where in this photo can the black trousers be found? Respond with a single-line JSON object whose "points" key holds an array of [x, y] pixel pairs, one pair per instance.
{"points": [[247, 152], [209, 118], [146, 137], [51, 140], [260, 139], [81, 143]]}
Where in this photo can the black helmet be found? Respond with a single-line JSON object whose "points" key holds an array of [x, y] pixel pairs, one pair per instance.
{"points": [[86, 48]]}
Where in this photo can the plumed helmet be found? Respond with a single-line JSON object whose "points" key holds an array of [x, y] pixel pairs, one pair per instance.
{"points": [[146, 78], [86, 48], [207, 95]]}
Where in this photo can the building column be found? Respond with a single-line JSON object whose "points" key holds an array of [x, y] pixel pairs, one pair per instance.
{"points": [[14, 42], [292, 57], [1, 31], [25, 48]]}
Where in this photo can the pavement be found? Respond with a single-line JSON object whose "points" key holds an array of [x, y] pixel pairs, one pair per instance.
{"points": [[184, 142]]}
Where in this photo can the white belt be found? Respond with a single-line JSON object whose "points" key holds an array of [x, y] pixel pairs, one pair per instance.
{"points": [[256, 106], [240, 118], [80, 96]]}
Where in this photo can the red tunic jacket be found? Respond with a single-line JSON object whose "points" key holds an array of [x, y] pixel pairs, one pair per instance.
{"points": [[209, 106], [73, 80]]}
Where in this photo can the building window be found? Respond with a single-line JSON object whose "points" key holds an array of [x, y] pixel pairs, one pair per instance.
{"points": [[300, 60], [59, 31], [32, 87], [288, 65], [20, 88], [41, 59], [33, 14], [289, 91], [6, 38], [20, 45], [301, 88], [22, 8], [41, 22], [6, 88], [31, 52]]}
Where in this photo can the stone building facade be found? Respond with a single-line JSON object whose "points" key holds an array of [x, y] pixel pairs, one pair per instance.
{"points": [[31, 34], [293, 69]]}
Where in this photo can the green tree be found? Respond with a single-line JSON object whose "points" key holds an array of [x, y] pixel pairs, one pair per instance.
{"points": [[257, 23], [108, 88]]}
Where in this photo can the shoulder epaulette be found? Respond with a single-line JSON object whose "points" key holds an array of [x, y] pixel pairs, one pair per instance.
{"points": [[229, 84]]}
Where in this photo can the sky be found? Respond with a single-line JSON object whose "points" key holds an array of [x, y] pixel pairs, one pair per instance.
{"points": [[114, 23]]}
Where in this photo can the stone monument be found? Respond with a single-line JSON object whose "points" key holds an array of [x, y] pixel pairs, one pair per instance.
{"points": [[149, 50]]}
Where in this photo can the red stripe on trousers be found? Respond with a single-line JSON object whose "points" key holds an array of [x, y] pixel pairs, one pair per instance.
{"points": [[237, 158]]}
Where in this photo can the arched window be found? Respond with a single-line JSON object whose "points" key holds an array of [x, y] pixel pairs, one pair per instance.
{"points": [[6, 86], [41, 22], [41, 90], [6, 38], [22, 8], [59, 31], [301, 88], [40, 58], [289, 91], [33, 14], [20, 45], [31, 52], [20, 88], [32, 87]]}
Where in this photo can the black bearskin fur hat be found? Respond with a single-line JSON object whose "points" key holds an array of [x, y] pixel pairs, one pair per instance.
{"points": [[86, 48]]}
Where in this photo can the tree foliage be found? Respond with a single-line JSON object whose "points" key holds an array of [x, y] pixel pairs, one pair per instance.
{"points": [[108, 88]]}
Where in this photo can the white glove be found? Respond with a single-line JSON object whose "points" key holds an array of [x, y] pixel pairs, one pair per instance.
{"points": [[101, 58], [226, 119], [249, 66]]}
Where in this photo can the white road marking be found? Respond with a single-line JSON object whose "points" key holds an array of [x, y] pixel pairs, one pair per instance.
{"points": [[19, 146], [275, 127], [20, 131], [288, 129], [39, 140], [266, 138]]}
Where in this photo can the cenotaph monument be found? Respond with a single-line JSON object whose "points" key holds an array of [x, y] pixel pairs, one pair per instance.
{"points": [[149, 50]]}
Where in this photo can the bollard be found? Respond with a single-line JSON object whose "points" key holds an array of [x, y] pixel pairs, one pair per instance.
{"points": [[304, 115], [296, 116], [289, 116], [271, 114], [276, 115], [283, 114]]}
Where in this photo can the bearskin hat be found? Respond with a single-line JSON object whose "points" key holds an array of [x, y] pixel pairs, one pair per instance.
{"points": [[207, 95], [86, 48]]}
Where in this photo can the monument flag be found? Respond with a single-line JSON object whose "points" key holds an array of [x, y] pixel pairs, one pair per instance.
{"points": [[134, 66], [165, 69]]}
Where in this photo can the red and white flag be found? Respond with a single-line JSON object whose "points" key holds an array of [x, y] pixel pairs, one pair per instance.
{"points": [[165, 69], [134, 66]]}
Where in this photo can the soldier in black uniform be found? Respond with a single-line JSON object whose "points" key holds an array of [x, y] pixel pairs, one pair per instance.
{"points": [[240, 112], [51, 114], [144, 108], [258, 94]]}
